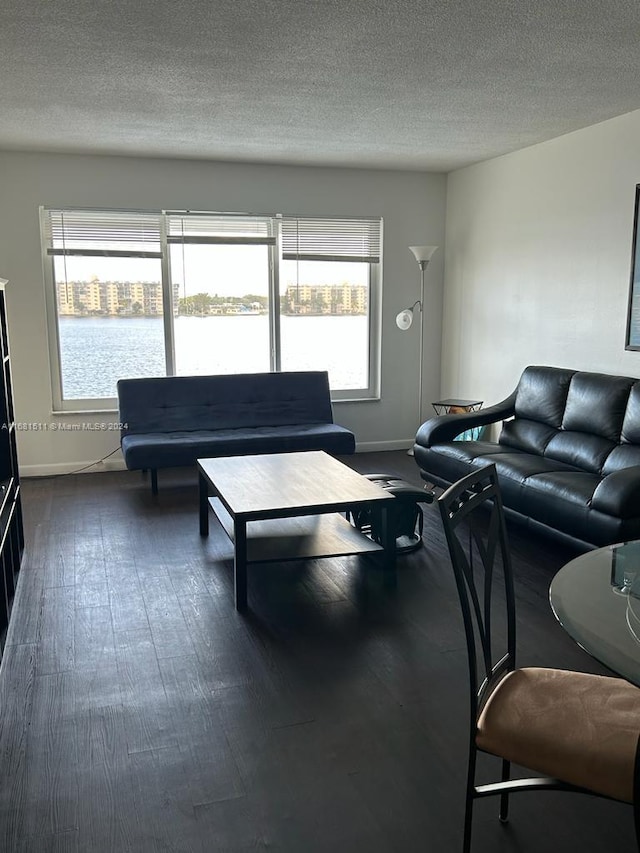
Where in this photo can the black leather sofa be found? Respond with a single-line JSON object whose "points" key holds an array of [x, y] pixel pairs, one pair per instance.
{"points": [[567, 456]]}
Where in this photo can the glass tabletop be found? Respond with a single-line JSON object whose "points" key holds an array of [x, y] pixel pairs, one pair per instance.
{"points": [[596, 599]]}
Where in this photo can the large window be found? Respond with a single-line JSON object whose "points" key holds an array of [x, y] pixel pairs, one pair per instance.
{"points": [[173, 293]]}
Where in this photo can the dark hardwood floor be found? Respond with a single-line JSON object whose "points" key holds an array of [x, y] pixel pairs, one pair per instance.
{"points": [[140, 712]]}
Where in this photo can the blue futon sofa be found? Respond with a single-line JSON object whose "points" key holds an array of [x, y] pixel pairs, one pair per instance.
{"points": [[173, 420]]}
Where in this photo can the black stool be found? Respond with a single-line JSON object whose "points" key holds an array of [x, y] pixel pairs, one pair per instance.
{"points": [[406, 516]]}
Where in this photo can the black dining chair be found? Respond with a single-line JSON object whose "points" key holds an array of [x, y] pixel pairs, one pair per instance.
{"points": [[580, 731]]}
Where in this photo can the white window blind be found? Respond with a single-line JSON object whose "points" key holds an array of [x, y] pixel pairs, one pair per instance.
{"points": [[227, 229], [103, 233], [317, 239]]}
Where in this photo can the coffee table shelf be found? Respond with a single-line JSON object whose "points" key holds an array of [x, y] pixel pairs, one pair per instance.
{"points": [[288, 506], [300, 538]]}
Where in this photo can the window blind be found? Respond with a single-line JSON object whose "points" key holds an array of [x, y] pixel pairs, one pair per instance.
{"points": [[317, 239], [104, 233], [229, 229]]}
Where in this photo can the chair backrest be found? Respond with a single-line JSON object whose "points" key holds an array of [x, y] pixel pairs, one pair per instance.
{"points": [[473, 519]]}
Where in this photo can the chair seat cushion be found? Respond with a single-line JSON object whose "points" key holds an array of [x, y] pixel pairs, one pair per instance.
{"points": [[577, 727]]}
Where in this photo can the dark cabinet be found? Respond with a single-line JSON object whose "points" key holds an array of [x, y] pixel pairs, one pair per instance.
{"points": [[11, 530]]}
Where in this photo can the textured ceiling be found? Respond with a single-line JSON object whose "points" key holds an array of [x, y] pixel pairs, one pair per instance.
{"points": [[431, 85]]}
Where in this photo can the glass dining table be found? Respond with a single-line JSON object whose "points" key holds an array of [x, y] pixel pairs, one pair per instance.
{"points": [[596, 599]]}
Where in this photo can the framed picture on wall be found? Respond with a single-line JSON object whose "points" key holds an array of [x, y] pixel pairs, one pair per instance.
{"points": [[633, 311]]}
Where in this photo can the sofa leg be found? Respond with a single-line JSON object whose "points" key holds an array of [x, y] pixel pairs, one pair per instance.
{"points": [[154, 481]]}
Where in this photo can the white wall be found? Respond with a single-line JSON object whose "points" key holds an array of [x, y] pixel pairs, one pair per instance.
{"points": [[413, 207], [538, 260]]}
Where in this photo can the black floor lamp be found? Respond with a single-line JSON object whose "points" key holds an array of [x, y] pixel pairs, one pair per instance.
{"points": [[404, 319]]}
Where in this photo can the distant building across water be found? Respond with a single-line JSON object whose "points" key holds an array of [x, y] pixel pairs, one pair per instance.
{"points": [[110, 298], [144, 299]]}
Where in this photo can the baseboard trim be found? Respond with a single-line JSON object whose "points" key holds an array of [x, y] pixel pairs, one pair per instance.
{"points": [[382, 446], [60, 468]]}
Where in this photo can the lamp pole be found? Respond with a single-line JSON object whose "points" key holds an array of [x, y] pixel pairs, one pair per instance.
{"points": [[423, 255], [423, 265]]}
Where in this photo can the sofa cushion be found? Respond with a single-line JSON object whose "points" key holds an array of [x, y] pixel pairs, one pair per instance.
{"points": [[542, 394], [622, 456], [579, 449], [172, 403], [467, 451], [520, 467], [526, 435], [596, 404], [561, 501], [178, 448], [574, 486], [619, 493], [631, 423]]}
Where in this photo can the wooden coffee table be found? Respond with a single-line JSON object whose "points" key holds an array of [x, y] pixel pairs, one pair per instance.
{"points": [[286, 506]]}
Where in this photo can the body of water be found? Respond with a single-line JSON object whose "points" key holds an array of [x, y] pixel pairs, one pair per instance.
{"points": [[97, 351]]}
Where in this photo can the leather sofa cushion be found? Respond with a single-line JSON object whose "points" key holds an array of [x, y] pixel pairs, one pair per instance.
{"points": [[574, 486], [526, 435], [520, 467], [467, 451], [622, 456], [560, 501], [596, 404], [542, 394], [618, 494], [580, 449], [631, 423]]}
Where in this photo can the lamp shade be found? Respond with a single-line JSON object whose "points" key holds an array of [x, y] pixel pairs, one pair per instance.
{"points": [[404, 319], [423, 253]]}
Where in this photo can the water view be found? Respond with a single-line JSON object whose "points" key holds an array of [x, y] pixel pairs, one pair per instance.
{"points": [[97, 351]]}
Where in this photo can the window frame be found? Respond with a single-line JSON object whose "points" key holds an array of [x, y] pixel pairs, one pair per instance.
{"points": [[266, 238], [275, 257]]}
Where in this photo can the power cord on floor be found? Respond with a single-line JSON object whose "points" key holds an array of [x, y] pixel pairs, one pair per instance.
{"points": [[78, 470]]}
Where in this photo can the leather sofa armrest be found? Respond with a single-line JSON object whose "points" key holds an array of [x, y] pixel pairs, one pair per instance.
{"points": [[618, 494], [446, 427]]}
